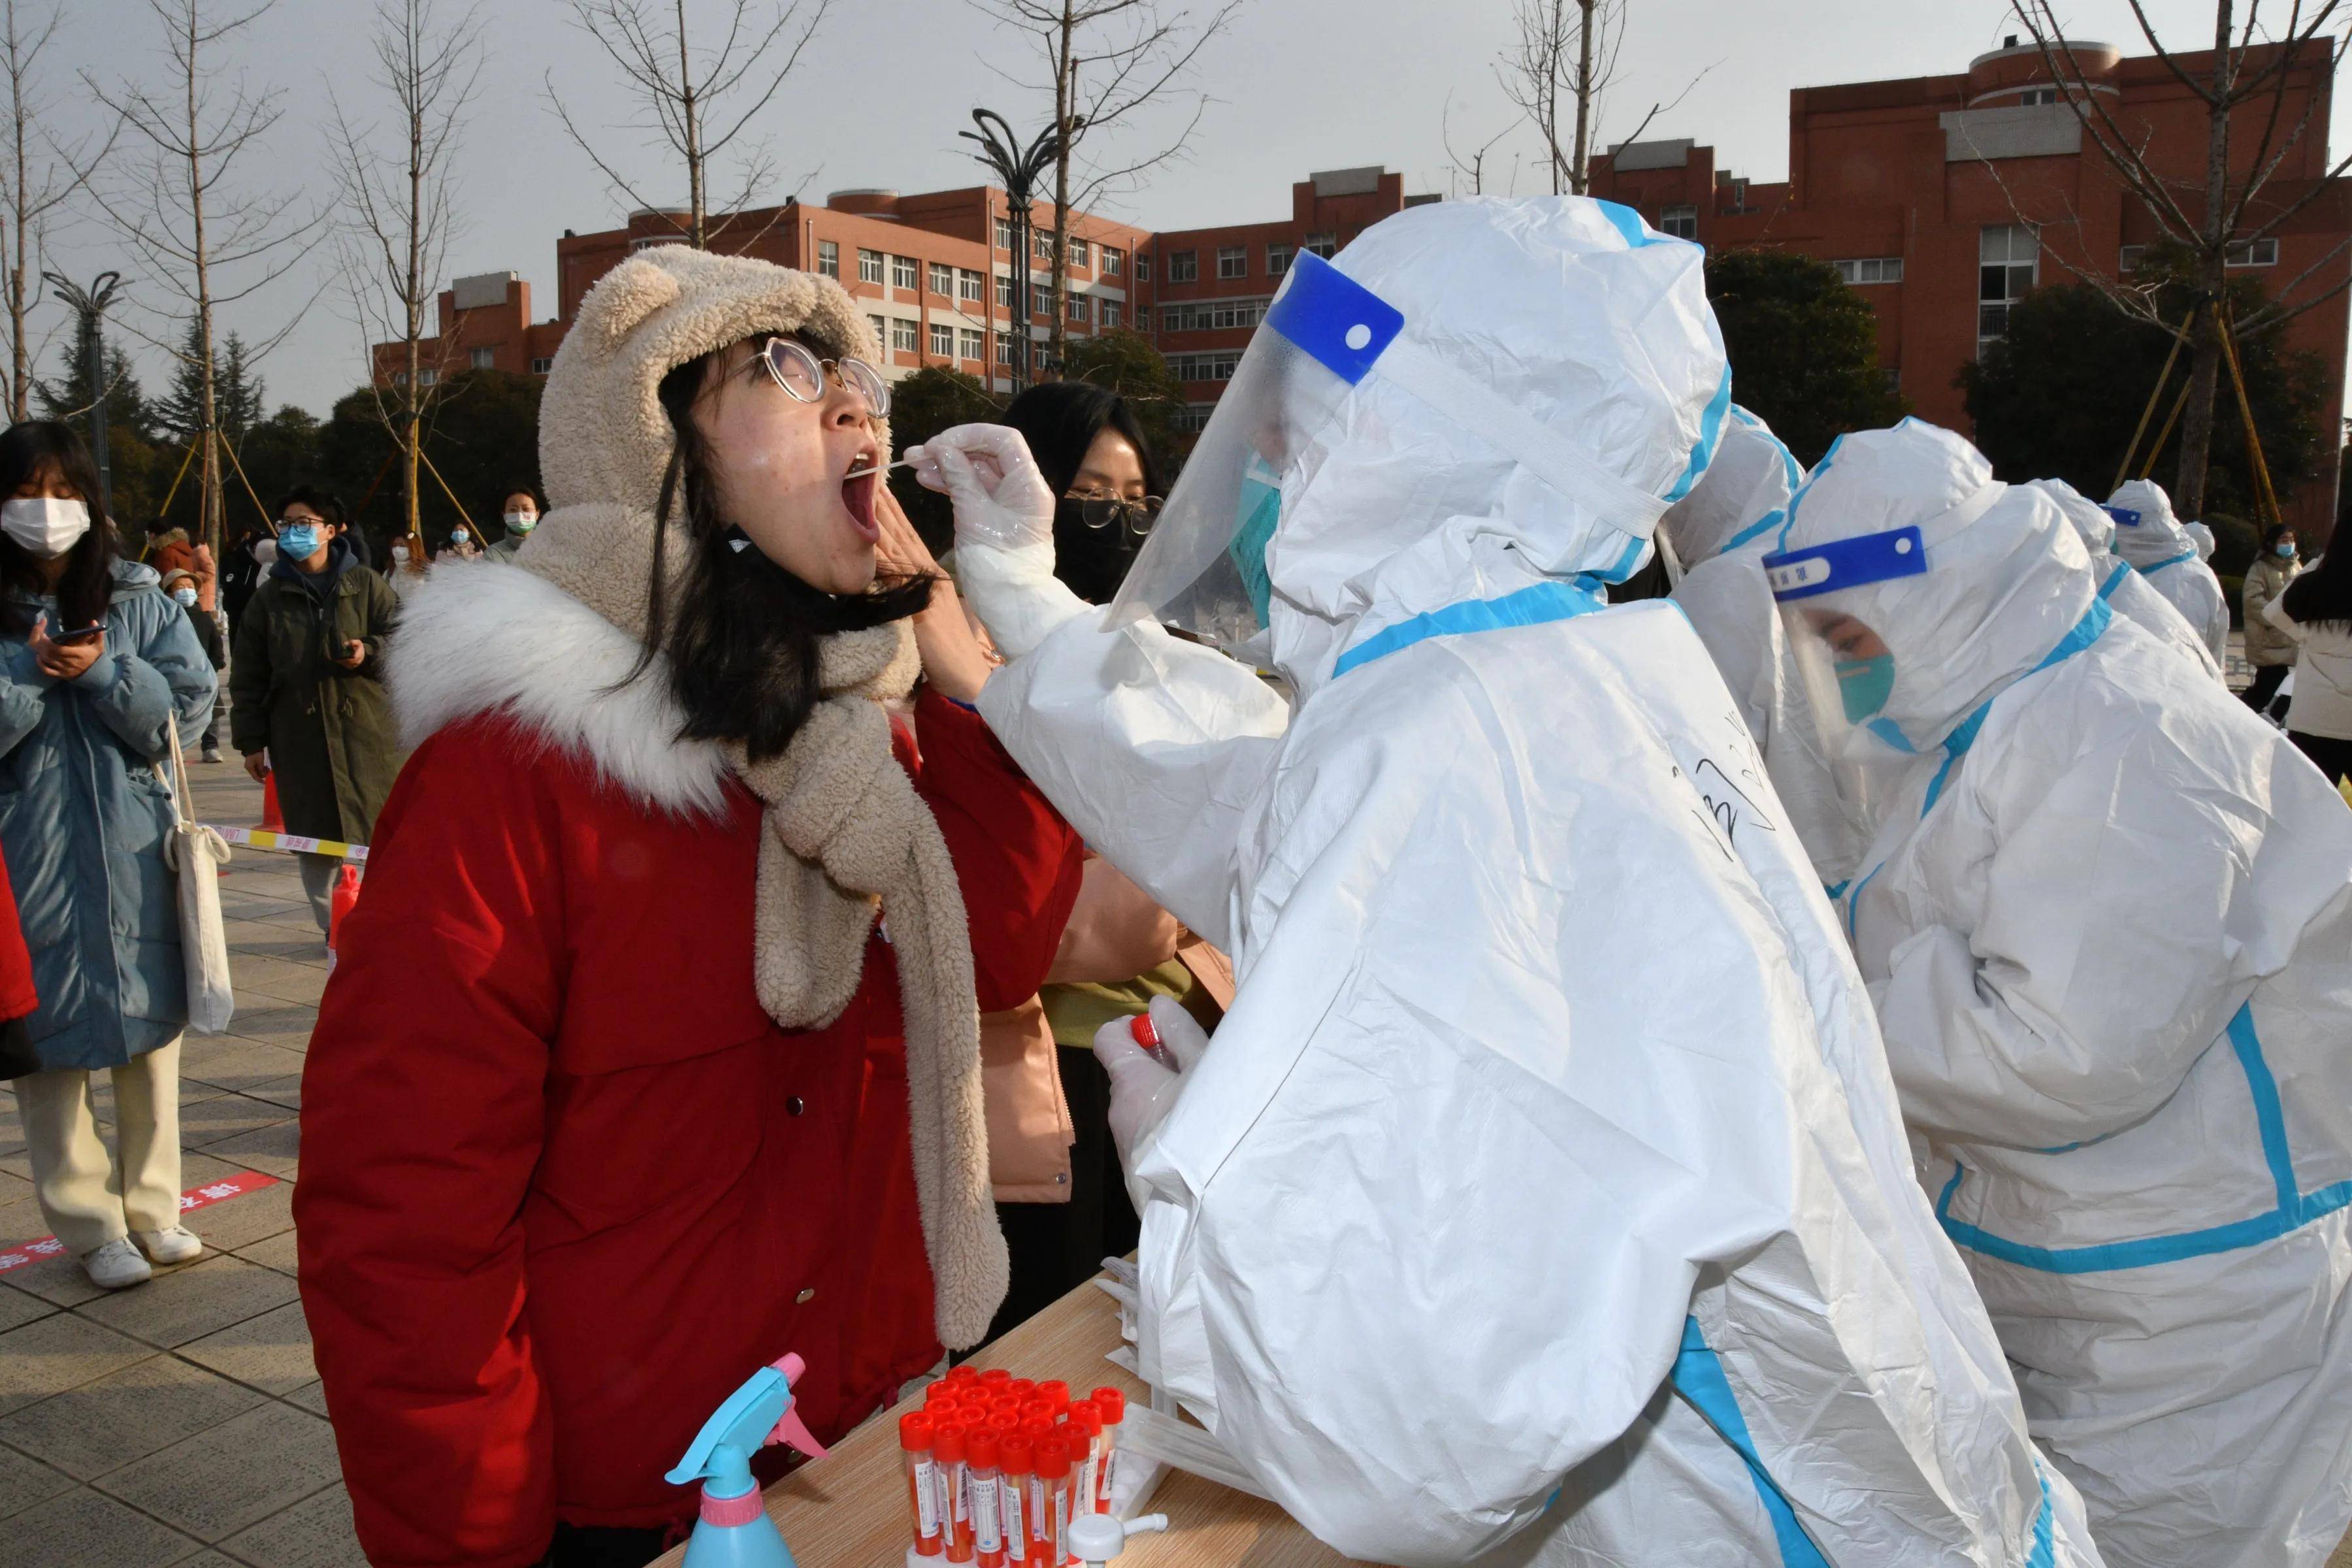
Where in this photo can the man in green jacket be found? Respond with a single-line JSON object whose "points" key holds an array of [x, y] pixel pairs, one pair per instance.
{"points": [[307, 685]]}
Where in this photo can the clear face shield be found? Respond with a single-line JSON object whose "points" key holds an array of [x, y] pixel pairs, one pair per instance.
{"points": [[1848, 669], [1203, 569]]}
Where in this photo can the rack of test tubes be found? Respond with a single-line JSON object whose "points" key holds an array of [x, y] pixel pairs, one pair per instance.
{"points": [[997, 1467]]}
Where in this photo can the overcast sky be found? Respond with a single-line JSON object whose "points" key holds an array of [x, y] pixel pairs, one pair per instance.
{"points": [[1293, 86]]}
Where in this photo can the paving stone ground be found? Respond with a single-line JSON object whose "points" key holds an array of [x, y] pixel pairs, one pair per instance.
{"points": [[180, 1421]]}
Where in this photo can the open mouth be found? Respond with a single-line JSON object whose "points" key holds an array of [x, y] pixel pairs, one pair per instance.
{"points": [[857, 495]]}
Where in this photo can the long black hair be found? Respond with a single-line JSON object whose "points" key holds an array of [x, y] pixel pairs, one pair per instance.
{"points": [[744, 635], [2322, 596], [1060, 420], [27, 448]]}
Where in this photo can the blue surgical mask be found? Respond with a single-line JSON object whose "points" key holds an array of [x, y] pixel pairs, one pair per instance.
{"points": [[2285, 548], [1864, 685], [299, 540], [1255, 513], [185, 595]]}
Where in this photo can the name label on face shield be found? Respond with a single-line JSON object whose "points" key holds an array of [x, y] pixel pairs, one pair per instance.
{"points": [[1344, 325], [2124, 516], [1847, 564]]}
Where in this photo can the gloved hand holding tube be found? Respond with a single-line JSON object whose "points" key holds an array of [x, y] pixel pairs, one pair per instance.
{"points": [[1005, 532], [1143, 1083]]}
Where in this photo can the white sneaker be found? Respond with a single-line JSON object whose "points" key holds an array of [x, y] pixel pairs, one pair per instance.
{"points": [[117, 1266], [177, 1245]]}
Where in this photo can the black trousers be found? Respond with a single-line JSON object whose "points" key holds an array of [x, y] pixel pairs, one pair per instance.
{"points": [[2268, 678], [2333, 756]]}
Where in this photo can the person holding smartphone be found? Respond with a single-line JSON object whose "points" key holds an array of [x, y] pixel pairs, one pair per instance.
{"points": [[96, 668], [306, 697]]}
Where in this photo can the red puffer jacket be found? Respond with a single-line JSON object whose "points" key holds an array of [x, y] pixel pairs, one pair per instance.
{"points": [[565, 1184]]}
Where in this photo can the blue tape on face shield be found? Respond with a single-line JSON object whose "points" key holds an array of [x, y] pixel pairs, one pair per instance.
{"points": [[1256, 511]]}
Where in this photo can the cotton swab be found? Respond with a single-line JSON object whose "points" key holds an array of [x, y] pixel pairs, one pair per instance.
{"points": [[861, 473]]}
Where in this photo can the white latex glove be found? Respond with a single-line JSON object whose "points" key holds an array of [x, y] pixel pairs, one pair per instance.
{"points": [[1143, 1087], [1005, 532]]}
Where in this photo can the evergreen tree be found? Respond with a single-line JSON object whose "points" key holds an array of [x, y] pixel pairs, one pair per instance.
{"points": [[179, 413], [1803, 347], [237, 393], [71, 395]]}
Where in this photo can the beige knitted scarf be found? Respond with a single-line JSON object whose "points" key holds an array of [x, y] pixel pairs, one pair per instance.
{"points": [[844, 829]]}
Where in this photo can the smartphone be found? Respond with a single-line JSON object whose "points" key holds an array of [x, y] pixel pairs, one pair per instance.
{"points": [[80, 634]]}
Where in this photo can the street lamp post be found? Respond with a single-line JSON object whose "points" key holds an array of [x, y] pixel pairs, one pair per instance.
{"points": [[1019, 168], [90, 304]]}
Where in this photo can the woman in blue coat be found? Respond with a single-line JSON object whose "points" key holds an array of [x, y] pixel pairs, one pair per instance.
{"points": [[95, 662]]}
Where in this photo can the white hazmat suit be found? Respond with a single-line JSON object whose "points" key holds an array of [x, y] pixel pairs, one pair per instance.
{"points": [[2108, 922], [1543, 1192], [2159, 549], [2128, 594]]}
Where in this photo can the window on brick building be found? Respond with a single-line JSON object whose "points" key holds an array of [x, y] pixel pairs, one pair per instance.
{"points": [[1143, 267], [942, 279], [427, 377], [2128, 259], [1004, 233], [483, 359], [2033, 95], [1004, 293], [2252, 253], [1681, 222], [1204, 367], [942, 340], [1184, 266], [1194, 417], [1323, 245], [1040, 299], [904, 273], [1277, 260], [828, 258], [1142, 319], [1041, 244], [1114, 261], [1081, 252], [1232, 261], [869, 266], [881, 328], [969, 285], [902, 335], [2009, 263], [1005, 347], [1110, 315], [1081, 307], [1871, 270], [972, 343], [542, 366]]}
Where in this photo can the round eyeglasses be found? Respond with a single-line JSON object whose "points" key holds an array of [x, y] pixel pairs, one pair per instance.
{"points": [[1135, 517], [796, 369]]}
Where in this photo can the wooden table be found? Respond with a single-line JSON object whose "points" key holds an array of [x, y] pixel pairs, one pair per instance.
{"points": [[848, 1509]]}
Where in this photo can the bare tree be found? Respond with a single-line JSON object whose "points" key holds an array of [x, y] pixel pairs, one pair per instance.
{"points": [[702, 100], [397, 224], [1476, 165], [1107, 62], [32, 186], [1564, 60], [177, 210], [2245, 87]]}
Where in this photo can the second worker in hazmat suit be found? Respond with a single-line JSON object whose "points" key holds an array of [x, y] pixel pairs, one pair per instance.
{"points": [[1543, 1191], [2107, 924], [2128, 593], [2163, 552]]}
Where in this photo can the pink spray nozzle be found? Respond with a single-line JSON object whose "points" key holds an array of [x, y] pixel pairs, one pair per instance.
{"points": [[791, 1365], [790, 1429]]}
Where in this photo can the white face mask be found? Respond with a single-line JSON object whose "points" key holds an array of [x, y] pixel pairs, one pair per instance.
{"points": [[400, 552], [185, 595], [522, 521], [44, 524]]}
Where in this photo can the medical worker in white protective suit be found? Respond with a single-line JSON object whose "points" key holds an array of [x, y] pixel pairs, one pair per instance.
{"points": [[1722, 531], [2108, 922], [2127, 593], [1543, 1193], [2162, 551]]}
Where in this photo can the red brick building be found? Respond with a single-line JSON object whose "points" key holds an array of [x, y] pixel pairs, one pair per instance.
{"points": [[1945, 199]]}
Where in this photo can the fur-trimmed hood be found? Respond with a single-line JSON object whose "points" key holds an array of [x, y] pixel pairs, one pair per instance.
{"points": [[479, 637]]}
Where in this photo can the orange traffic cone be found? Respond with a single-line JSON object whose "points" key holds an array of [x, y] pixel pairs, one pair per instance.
{"points": [[340, 903], [272, 819]]}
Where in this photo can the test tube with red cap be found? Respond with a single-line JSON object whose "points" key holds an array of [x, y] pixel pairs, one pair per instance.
{"points": [[1053, 1507], [1086, 1456], [1054, 1392], [955, 1495], [1146, 1034], [1113, 1406], [980, 1468], [1022, 1388], [1016, 1473], [995, 1378], [922, 1482]]}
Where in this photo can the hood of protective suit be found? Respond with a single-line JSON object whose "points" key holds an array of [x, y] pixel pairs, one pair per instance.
{"points": [[2006, 578], [1751, 480], [2148, 535], [1557, 325], [2093, 525]]}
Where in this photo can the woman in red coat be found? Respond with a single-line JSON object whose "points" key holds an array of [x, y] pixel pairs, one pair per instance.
{"points": [[622, 1090]]}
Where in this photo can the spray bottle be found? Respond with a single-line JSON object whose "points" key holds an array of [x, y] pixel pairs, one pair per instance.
{"points": [[734, 1530]]}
